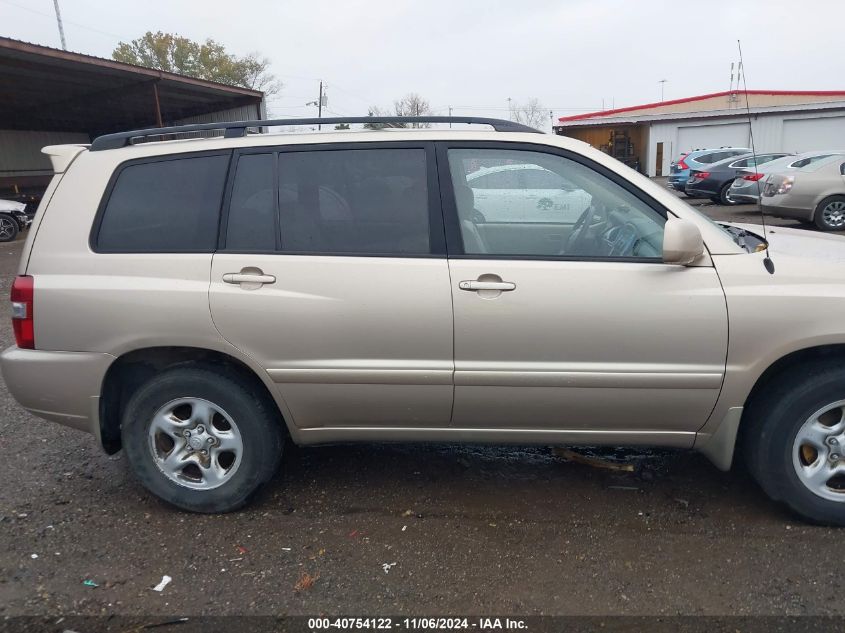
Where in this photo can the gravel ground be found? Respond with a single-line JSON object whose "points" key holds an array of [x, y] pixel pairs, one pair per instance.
{"points": [[415, 530]]}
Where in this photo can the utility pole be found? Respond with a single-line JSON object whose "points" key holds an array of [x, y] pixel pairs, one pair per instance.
{"points": [[510, 109], [450, 115], [320, 107], [61, 26], [322, 100], [662, 83]]}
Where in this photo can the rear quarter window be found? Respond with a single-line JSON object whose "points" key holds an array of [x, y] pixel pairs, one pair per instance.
{"points": [[164, 206]]}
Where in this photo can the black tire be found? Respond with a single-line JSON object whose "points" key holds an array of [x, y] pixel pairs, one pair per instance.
{"points": [[818, 215], [253, 412], [715, 200], [770, 426], [724, 198], [9, 228]]}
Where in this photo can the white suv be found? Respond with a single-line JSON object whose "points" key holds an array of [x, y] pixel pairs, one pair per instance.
{"points": [[196, 301]]}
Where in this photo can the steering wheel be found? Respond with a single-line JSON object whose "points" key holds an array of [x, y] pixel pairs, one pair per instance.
{"points": [[581, 231]]}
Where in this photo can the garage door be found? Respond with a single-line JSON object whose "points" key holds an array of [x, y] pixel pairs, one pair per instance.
{"points": [[711, 136], [804, 135]]}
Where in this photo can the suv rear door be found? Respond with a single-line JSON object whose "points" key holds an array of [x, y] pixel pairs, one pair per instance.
{"points": [[331, 273], [558, 333]]}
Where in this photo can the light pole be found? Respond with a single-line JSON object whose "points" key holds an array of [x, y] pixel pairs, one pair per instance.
{"points": [[662, 83], [61, 26]]}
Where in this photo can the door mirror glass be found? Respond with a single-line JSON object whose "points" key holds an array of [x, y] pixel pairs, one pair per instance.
{"points": [[682, 242]]}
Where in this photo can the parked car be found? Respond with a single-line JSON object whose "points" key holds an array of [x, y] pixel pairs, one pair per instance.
{"points": [[715, 182], [698, 159], [540, 195], [13, 219], [174, 304], [813, 191], [745, 188]]}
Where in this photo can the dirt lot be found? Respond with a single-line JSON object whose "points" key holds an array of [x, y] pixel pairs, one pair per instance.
{"points": [[402, 530]]}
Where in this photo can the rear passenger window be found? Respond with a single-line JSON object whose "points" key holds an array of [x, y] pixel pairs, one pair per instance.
{"points": [[168, 206], [251, 224], [354, 201]]}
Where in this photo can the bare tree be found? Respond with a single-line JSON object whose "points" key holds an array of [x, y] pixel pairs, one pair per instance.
{"points": [[413, 104], [532, 113]]}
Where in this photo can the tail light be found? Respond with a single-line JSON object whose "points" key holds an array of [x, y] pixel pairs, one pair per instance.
{"points": [[23, 291], [753, 177], [702, 174], [682, 165]]}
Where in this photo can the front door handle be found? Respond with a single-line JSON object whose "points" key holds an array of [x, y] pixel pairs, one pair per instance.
{"points": [[501, 286], [249, 278], [240, 278]]}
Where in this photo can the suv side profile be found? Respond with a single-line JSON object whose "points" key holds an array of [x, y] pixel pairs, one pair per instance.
{"points": [[196, 302]]}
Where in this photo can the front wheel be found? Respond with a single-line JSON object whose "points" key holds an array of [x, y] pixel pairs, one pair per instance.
{"points": [[795, 440], [201, 439], [830, 214]]}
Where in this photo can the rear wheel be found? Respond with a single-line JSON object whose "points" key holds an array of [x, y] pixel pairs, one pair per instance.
{"points": [[725, 197], [201, 440], [8, 228], [795, 440], [830, 214]]}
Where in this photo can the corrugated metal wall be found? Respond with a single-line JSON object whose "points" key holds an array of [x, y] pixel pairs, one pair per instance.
{"points": [[243, 113], [20, 151]]}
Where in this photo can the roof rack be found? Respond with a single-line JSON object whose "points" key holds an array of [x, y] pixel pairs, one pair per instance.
{"points": [[235, 129]]}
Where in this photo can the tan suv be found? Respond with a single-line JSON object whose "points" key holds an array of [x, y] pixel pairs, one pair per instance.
{"points": [[195, 301]]}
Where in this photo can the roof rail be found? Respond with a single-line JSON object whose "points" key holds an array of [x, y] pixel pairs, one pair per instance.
{"points": [[235, 129]]}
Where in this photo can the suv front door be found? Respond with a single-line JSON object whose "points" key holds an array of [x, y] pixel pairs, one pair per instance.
{"points": [[577, 327], [332, 274]]}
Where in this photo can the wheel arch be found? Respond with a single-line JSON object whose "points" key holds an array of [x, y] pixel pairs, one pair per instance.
{"points": [[130, 370], [720, 442]]}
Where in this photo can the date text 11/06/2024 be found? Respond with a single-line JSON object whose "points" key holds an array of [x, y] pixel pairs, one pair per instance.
{"points": [[423, 624]]}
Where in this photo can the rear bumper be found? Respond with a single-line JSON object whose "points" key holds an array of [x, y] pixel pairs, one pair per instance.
{"points": [[62, 387], [695, 192], [779, 211]]}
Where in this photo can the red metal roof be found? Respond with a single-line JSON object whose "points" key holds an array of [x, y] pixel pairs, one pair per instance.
{"points": [[797, 93]]}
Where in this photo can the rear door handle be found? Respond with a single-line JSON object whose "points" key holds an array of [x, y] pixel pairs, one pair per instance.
{"points": [[501, 286], [246, 278]]}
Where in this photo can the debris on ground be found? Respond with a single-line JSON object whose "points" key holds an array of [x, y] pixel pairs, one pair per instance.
{"points": [[306, 581], [408, 513], [387, 566], [241, 550], [89, 583], [588, 460], [165, 580]]}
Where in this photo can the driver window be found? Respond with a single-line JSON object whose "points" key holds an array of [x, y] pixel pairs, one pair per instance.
{"points": [[544, 205]]}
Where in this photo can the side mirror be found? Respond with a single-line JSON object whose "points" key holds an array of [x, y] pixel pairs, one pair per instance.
{"points": [[682, 243]]}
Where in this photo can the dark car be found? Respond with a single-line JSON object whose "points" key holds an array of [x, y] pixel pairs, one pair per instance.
{"points": [[715, 182]]}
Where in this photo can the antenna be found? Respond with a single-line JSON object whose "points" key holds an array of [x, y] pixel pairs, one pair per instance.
{"points": [[767, 262]]}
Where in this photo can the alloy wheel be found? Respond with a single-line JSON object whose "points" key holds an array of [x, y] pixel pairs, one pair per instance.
{"points": [[195, 443], [817, 453], [833, 214]]}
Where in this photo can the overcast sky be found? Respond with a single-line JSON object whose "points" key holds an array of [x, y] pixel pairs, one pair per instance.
{"points": [[573, 55]]}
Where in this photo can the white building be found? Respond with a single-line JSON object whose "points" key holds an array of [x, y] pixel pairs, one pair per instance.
{"points": [[650, 136]]}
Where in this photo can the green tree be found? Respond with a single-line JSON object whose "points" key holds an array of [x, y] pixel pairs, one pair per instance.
{"points": [[207, 60]]}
